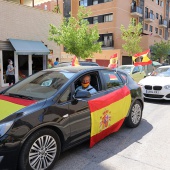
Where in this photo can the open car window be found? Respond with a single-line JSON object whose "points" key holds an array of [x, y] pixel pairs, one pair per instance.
{"points": [[95, 81]]}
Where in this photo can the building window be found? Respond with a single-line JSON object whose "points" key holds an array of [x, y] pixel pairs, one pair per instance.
{"points": [[157, 2], [146, 27], [108, 0], [95, 20], [150, 28], [157, 16], [160, 32], [95, 2], [106, 39], [83, 2], [161, 3], [156, 30], [108, 18]]}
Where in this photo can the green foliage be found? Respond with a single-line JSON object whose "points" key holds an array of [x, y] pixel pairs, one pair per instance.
{"points": [[57, 9], [76, 35], [160, 50], [132, 37]]}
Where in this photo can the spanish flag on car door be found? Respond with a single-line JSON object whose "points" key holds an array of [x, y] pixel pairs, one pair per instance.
{"points": [[108, 113], [75, 61], [143, 57]]}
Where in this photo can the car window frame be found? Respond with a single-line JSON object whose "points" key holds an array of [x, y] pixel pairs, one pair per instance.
{"points": [[96, 72], [115, 87], [63, 94]]}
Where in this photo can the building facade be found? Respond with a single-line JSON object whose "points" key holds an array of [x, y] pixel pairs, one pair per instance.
{"points": [[110, 14], [24, 39]]}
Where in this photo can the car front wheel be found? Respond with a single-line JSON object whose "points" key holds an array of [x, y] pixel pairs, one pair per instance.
{"points": [[40, 151], [135, 115]]}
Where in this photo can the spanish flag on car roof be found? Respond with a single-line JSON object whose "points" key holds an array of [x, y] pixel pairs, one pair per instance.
{"points": [[113, 61], [107, 113], [75, 61], [144, 59]]}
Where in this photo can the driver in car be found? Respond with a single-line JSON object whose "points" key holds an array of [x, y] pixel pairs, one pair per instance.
{"points": [[85, 84]]}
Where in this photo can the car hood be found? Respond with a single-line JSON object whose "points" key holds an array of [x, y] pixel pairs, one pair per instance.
{"points": [[155, 80], [11, 106]]}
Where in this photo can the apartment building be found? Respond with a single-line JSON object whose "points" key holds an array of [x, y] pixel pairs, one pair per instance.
{"points": [[24, 38], [110, 14]]}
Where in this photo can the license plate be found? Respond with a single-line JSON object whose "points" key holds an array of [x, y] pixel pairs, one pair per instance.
{"points": [[152, 91]]}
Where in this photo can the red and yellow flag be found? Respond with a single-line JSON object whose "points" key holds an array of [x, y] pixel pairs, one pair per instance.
{"points": [[75, 61], [9, 105], [113, 61], [143, 57], [107, 113]]}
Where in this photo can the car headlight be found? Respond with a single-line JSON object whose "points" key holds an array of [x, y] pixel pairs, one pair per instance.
{"points": [[140, 84], [167, 87], [4, 127]]}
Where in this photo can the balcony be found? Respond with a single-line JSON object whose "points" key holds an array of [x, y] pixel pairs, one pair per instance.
{"points": [[163, 23], [136, 11], [149, 17]]}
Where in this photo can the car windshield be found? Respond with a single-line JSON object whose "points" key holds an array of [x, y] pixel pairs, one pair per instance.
{"points": [[127, 69], [39, 86], [161, 72]]}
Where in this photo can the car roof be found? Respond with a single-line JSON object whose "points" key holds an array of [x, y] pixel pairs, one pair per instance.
{"points": [[76, 68], [167, 66]]}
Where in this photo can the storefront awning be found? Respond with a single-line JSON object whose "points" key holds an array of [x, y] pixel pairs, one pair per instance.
{"points": [[26, 47]]}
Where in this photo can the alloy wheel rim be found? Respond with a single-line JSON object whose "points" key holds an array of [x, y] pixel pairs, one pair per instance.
{"points": [[42, 152], [136, 114]]}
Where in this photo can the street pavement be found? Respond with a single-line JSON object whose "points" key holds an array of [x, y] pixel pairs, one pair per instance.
{"points": [[146, 147]]}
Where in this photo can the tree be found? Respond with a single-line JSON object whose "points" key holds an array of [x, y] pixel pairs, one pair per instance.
{"points": [[76, 36], [160, 50], [132, 37]]}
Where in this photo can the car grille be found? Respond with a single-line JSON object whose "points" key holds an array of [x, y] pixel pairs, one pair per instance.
{"points": [[154, 96], [157, 87], [147, 87]]}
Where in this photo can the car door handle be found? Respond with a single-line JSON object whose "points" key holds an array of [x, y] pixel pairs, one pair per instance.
{"points": [[65, 115]]}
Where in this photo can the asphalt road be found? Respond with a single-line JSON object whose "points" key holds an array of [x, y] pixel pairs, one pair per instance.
{"points": [[146, 147]]}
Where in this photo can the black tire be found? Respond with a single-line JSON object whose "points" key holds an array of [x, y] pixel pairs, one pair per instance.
{"points": [[51, 149], [135, 115]]}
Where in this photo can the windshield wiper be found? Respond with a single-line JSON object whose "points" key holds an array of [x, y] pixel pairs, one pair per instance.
{"points": [[20, 96]]}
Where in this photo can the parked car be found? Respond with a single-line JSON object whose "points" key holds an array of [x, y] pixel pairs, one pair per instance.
{"points": [[136, 72], [157, 85], [82, 63], [42, 116]]}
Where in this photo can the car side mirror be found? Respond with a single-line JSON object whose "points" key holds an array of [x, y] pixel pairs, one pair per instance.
{"points": [[82, 94]]}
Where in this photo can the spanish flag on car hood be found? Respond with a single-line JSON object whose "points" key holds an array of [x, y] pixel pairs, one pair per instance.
{"points": [[10, 105], [143, 57], [75, 61], [108, 113], [113, 61]]}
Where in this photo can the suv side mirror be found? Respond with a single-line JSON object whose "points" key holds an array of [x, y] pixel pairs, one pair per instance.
{"points": [[82, 94]]}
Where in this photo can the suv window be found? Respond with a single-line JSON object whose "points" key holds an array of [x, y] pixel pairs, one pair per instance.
{"points": [[111, 78], [136, 70]]}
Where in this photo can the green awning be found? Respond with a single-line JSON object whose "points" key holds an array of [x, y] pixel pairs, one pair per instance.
{"points": [[27, 47]]}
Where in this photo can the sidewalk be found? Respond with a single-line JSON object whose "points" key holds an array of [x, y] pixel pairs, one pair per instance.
{"points": [[2, 88]]}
